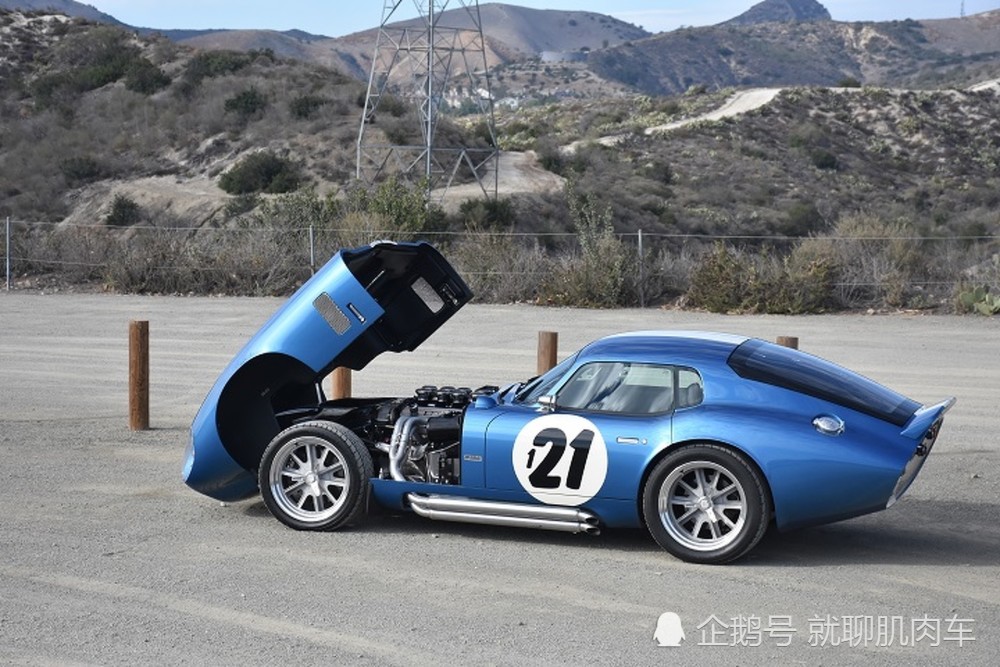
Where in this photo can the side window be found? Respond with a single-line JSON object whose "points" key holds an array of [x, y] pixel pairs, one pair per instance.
{"points": [[624, 388], [690, 390]]}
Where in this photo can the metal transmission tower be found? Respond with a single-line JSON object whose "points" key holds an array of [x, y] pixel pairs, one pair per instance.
{"points": [[420, 68]]}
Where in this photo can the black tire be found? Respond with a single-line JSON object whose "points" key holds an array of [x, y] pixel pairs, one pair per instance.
{"points": [[706, 504], [315, 476]]}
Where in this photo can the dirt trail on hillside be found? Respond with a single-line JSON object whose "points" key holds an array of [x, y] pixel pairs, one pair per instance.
{"points": [[739, 103], [521, 172], [517, 173]]}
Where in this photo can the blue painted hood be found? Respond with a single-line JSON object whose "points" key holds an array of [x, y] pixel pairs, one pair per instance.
{"points": [[363, 302]]}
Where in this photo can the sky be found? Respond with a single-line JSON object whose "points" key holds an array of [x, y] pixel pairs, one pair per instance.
{"points": [[335, 18]]}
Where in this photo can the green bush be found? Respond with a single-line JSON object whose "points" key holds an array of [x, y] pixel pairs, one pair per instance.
{"points": [[124, 211], [146, 78], [801, 219], [306, 106], [208, 64], [261, 172], [550, 156], [485, 214], [241, 204], [402, 208], [81, 169], [82, 62], [824, 159], [247, 103]]}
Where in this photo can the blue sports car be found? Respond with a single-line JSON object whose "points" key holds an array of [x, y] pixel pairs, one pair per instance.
{"points": [[703, 438]]}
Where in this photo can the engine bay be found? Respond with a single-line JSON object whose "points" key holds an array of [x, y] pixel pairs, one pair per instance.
{"points": [[413, 439]]}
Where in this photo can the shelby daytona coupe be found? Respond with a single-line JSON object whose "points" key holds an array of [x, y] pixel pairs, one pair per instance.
{"points": [[702, 438]]}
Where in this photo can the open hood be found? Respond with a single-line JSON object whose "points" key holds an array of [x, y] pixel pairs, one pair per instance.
{"points": [[386, 296]]}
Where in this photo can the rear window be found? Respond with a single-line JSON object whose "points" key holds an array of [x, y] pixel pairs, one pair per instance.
{"points": [[804, 373]]}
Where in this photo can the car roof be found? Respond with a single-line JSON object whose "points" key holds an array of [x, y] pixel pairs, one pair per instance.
{"points": [[663, 346]]}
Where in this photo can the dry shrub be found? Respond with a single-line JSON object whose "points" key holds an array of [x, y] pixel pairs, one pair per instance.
{"points": [[358, 228], [734, 280], [501, 268], [875, 261], [595, 275], [666, 275]]}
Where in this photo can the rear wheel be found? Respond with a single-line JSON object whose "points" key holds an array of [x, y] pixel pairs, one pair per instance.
{"points": [[706, 504], [315, 476]]}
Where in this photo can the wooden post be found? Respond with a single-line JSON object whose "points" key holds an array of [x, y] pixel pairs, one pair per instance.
{"points": [[548, 350], [788, 341], [340, 383], [7, 250], [138, 375]]}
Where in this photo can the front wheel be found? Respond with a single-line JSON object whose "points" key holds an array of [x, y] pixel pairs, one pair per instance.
{"points": [[315, 476], [706, 504]]}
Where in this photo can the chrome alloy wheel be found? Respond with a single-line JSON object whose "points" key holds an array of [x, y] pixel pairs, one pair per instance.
{"points": [[702, 506], [308, 479]]}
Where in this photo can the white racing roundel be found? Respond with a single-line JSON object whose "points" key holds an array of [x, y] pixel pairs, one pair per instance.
{"points": [[560, 459]]}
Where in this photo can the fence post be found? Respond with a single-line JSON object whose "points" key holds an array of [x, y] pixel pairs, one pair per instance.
{"points": [[138, 375], [548, 350], [312, 249], [7, 252], [788, 341], [642, 277], [340, 383]]}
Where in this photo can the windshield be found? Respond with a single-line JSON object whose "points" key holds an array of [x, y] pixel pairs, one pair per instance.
{"points": [[543, 384]]}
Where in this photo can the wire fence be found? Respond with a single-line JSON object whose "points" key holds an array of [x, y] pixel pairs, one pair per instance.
{"points": [[653, 266]]}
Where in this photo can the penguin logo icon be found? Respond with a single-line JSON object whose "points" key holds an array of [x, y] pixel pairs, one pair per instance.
{"points": [[668, 630]]}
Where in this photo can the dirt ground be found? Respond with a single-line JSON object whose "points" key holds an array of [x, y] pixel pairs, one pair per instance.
{"points": [[107, 558]]}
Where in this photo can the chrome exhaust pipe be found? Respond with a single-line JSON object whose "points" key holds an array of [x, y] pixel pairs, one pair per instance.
{"points": [[399, 446], [518, 515]]}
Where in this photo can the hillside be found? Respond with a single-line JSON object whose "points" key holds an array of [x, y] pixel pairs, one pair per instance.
{"points": [[534, 54], [775, 43], [70, 141], [66, 7], [89, 110], [900, 54], [103, 127], [512, 34], [790, 167], [532, 31]]}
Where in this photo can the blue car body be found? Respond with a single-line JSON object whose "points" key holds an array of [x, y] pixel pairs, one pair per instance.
{"points": [[584, 442]]}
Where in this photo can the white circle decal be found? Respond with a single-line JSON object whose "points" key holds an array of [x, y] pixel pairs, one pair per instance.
{"points": [[561, 459]]}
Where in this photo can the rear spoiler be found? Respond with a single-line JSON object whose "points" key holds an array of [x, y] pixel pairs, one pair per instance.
{"points": [[925, 418], [923, 427]]}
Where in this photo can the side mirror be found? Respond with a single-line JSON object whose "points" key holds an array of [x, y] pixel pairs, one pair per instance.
{"points": [[548, 403]]}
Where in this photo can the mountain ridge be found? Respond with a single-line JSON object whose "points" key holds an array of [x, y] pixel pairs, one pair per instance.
{"points": [[68, 7], [780, 11], [774, 43]]}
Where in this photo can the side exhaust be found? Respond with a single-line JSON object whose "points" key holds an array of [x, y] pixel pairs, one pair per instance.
{"points": [[517, 515]]}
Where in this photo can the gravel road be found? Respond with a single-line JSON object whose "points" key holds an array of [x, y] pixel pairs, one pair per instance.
{"points": [[107, 558]]}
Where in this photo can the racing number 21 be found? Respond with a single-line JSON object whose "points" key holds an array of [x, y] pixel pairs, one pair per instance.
{"points": [[542, 477]]}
